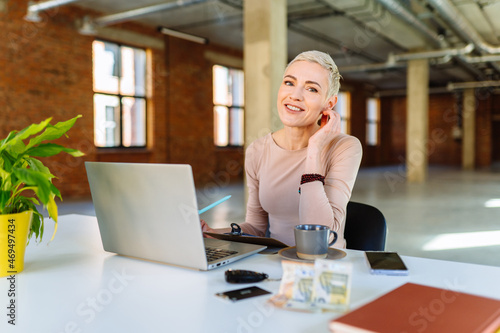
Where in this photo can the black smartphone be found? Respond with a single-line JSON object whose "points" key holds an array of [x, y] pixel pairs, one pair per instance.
{"points": [[239, 294], [386, 263]]}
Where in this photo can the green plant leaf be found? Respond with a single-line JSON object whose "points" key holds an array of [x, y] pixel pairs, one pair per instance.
{"points": [[29, 203], [51, 149], [55, 190], [7, 161], [37, 165], [38, 179], [7, 139], [15, 137], [16, 148], [32, 129], [52, 209], [36, 226], [53, 132], [4, 176], [74, 152], [4, 199]]}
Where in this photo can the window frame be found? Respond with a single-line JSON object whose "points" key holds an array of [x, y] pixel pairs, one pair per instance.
{"points": [[345, 119], [120, 97], [375, 122], [229, 107]]}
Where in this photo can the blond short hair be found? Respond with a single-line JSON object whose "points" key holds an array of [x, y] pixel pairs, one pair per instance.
{"points": [[325, 61]]}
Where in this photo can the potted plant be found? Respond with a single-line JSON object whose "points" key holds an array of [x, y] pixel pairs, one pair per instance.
{"points": [[26, 182]]}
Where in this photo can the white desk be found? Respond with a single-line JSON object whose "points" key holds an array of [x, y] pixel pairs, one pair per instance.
{"points": [[72, 285]]}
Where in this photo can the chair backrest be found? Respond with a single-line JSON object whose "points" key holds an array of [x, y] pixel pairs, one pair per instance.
{"points": [[365, 227]]}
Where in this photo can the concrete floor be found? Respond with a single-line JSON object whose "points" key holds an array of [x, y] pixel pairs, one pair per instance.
{"points": [[454, 215]]}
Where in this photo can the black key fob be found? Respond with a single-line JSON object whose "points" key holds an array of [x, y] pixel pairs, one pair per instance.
{"points": [[243, 276]]}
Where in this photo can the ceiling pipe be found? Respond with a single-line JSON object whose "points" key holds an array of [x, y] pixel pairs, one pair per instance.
{"points": [[481, 59], [432, 54], [453, 17], [375, 11], [35, 8], [406, 15], [402, 12], [140, 12], [370, 67], [443, 56], [41, 6], [488, 20], [404, 92], [465, 29], [469, 85], [311, 33]]}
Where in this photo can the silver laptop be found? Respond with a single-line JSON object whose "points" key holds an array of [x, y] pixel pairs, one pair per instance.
{"points": [[150, 211]]}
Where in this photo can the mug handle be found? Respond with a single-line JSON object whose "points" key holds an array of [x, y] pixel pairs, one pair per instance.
{"points": [[335, 236]]}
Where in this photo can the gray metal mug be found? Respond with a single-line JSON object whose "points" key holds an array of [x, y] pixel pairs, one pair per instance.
{"points": [[313, 240]]}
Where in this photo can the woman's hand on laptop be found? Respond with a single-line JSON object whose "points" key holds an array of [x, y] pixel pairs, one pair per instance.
{"points": [[206, 228]]}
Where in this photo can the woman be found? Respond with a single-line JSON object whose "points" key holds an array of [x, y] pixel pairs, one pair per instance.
{"points": [[302, 173]]}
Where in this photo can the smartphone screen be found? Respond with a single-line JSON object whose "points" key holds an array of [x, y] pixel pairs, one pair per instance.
{"points": [[387, 263]]}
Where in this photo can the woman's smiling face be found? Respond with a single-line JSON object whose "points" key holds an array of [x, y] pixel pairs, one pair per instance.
{"points": [[302, 94]]}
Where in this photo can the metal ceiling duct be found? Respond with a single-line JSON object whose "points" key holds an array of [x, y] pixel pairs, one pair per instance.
{"points": [[370, 67], [35, 8], [40, 6], [393, 59], [402, 12], [481, 59], [433, 54], [472, 85], [399, 9], [455, 19], [144, 11]]}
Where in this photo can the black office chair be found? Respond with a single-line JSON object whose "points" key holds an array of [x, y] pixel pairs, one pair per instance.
{"points": [[365, 227]]}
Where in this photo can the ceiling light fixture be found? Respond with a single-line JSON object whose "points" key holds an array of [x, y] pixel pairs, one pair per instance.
{"points": [[88, 27], [183, 35], [32, 16]]}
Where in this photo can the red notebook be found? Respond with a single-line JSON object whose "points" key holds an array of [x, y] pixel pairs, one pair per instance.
{"points": [[414, 308]]}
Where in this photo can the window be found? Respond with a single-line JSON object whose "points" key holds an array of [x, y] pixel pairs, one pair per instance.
{"points": [[229, 103], [119, 95], [343, 107], [372, 121]]}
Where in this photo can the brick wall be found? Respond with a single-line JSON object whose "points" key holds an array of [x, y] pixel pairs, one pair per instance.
{"points": [[444, 148], [46, 71], [485, 141], [393, 125], [495, 130], [189, 112]]}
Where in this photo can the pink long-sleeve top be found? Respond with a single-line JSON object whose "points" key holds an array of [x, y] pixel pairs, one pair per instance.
{"points": [[273, 180]]}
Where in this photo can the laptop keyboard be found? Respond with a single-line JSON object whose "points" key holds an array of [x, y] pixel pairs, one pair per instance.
{"points": [[216, 254]]}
